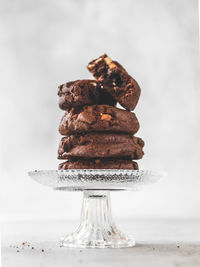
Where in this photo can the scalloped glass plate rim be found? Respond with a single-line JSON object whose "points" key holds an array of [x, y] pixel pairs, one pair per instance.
{"points": [[99, 179], [117, 171]]}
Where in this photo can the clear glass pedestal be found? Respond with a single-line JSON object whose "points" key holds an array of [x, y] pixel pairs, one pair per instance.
{"points": [[97, 228]]}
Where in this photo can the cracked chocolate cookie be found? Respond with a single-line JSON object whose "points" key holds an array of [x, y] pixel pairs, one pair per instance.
{"points": [[99, 164], [116, 81], [101, 145], [83, 92], [98, 118]]}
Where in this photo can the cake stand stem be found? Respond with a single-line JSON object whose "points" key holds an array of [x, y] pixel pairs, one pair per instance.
{"points": [[97, 229]]}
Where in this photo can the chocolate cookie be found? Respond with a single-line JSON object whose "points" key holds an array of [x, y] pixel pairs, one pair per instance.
{"points": [[99, 164], [116, 81], [101, 145], [83, 92], [98, 118]]}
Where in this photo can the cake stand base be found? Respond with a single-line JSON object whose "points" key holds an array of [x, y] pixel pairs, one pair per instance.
{"points": [[97, 229]]}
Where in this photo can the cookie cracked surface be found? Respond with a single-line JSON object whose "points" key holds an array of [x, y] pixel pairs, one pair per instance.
{"points": [[98, 118], [99, 164], [101, 145], [83, 92]]}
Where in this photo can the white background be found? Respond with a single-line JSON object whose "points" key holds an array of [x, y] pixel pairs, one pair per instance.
{"points": [[46, 43]]}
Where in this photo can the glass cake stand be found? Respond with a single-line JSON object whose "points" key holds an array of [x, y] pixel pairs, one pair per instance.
{"points": [[97, 228]]}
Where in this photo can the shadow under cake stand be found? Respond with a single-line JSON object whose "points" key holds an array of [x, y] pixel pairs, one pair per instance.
{"points": [[97, 228]]}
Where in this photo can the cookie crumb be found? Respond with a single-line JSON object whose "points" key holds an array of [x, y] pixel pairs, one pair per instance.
{"points": [[42, 250]]}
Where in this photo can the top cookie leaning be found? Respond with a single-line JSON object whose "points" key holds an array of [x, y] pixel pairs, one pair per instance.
{"points": [[115, 81]]}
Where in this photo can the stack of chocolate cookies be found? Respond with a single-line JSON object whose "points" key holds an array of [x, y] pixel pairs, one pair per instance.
{"points": [[98, 135]]}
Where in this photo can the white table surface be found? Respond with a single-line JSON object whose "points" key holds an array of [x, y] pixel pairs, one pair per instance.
{"points": [[158, 243]]}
